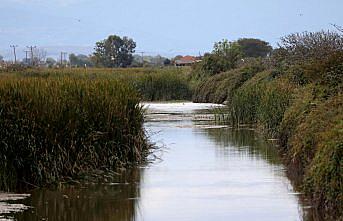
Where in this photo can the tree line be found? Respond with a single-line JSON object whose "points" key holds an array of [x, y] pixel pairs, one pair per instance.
{"points": [[119, 52]]}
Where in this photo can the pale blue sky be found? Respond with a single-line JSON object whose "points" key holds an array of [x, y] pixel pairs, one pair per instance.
{"points": [[158, 26]]}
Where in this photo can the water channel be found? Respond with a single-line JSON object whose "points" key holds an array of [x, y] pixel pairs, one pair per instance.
{"points": [[201, 172]]}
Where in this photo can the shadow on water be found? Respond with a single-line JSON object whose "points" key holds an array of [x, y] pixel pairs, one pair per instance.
{"points": [[117, 200], [245, 141]]}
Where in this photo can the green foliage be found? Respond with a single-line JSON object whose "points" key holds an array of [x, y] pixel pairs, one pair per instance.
{"points": [[255, 48], [301, 104], [220, 87], [325, 176], [55, 127], [227, 49], [153, 84], [275, 99], [297, 99], [80, 60], [213, 64], [50, 62], [300, 48], [114, 51], [57, 123], [163, 86], [243, 108], [225, 56], [262, 100], [317, 145]]}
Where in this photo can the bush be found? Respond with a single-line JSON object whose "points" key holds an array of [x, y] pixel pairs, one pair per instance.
{"points": [[306, 47], [317, 145], [220, 87], [224, 57]]}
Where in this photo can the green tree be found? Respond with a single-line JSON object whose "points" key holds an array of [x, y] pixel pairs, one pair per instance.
{"points": [[252, 47], [80, 60], [224, 56], [230, 51], [114, 51], [1, 58], [50, 62], [167, 62]]}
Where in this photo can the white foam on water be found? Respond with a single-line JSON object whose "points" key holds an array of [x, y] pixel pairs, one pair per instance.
{"points": [[7, 207], [178, 107]]}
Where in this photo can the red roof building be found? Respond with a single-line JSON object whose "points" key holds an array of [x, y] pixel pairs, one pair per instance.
{"points": [[186, 61]]}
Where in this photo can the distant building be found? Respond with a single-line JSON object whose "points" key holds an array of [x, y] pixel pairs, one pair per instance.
{"points": [[4, 64], [186, 61]]}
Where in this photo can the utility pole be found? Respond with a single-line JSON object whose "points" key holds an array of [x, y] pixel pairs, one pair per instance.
{"points": [[14, 52], [26, 57], [63, 57], [31, 50]]}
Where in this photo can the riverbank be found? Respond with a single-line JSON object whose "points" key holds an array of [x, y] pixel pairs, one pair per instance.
{"points": [[203, 171], [294, 97]]}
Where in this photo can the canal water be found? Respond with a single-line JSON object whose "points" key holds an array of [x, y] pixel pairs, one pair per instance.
{"points": [[201, 172]]}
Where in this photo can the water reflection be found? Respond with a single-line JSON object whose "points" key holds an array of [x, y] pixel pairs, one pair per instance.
{"points": [[206, 173], [245, 142], [116, 200]]}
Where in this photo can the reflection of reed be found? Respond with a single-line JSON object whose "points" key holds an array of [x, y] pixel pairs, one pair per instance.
{"points": [[245, 142], [309, 212], [98, 202]]}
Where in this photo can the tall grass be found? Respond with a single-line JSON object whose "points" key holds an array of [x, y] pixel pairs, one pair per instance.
{"points": [[153, 84], [53, 127], [162, 86], [220, 87], [262, 100]]}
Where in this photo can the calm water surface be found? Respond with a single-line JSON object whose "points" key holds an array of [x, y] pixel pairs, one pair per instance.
{"points": [[202, 172]]}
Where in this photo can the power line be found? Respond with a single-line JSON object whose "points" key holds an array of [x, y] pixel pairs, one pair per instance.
{"points": [[14, 52]]}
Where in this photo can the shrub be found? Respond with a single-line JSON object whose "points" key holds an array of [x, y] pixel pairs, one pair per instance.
{"points": [[220, 87], [317, 146], [306, 47]]}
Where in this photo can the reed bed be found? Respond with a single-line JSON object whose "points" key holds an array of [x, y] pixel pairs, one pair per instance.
{"points": [[55, 127], [153, 84]]}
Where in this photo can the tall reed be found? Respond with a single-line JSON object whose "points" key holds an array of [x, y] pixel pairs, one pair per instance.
{"points": [[153, 84], [55, 127]]}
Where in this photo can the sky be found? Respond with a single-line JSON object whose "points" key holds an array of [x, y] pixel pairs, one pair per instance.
{"points": [[169, 28]]}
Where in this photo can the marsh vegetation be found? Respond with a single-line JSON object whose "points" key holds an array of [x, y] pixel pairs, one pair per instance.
{"points": [[295, 96], [63, 123]]}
